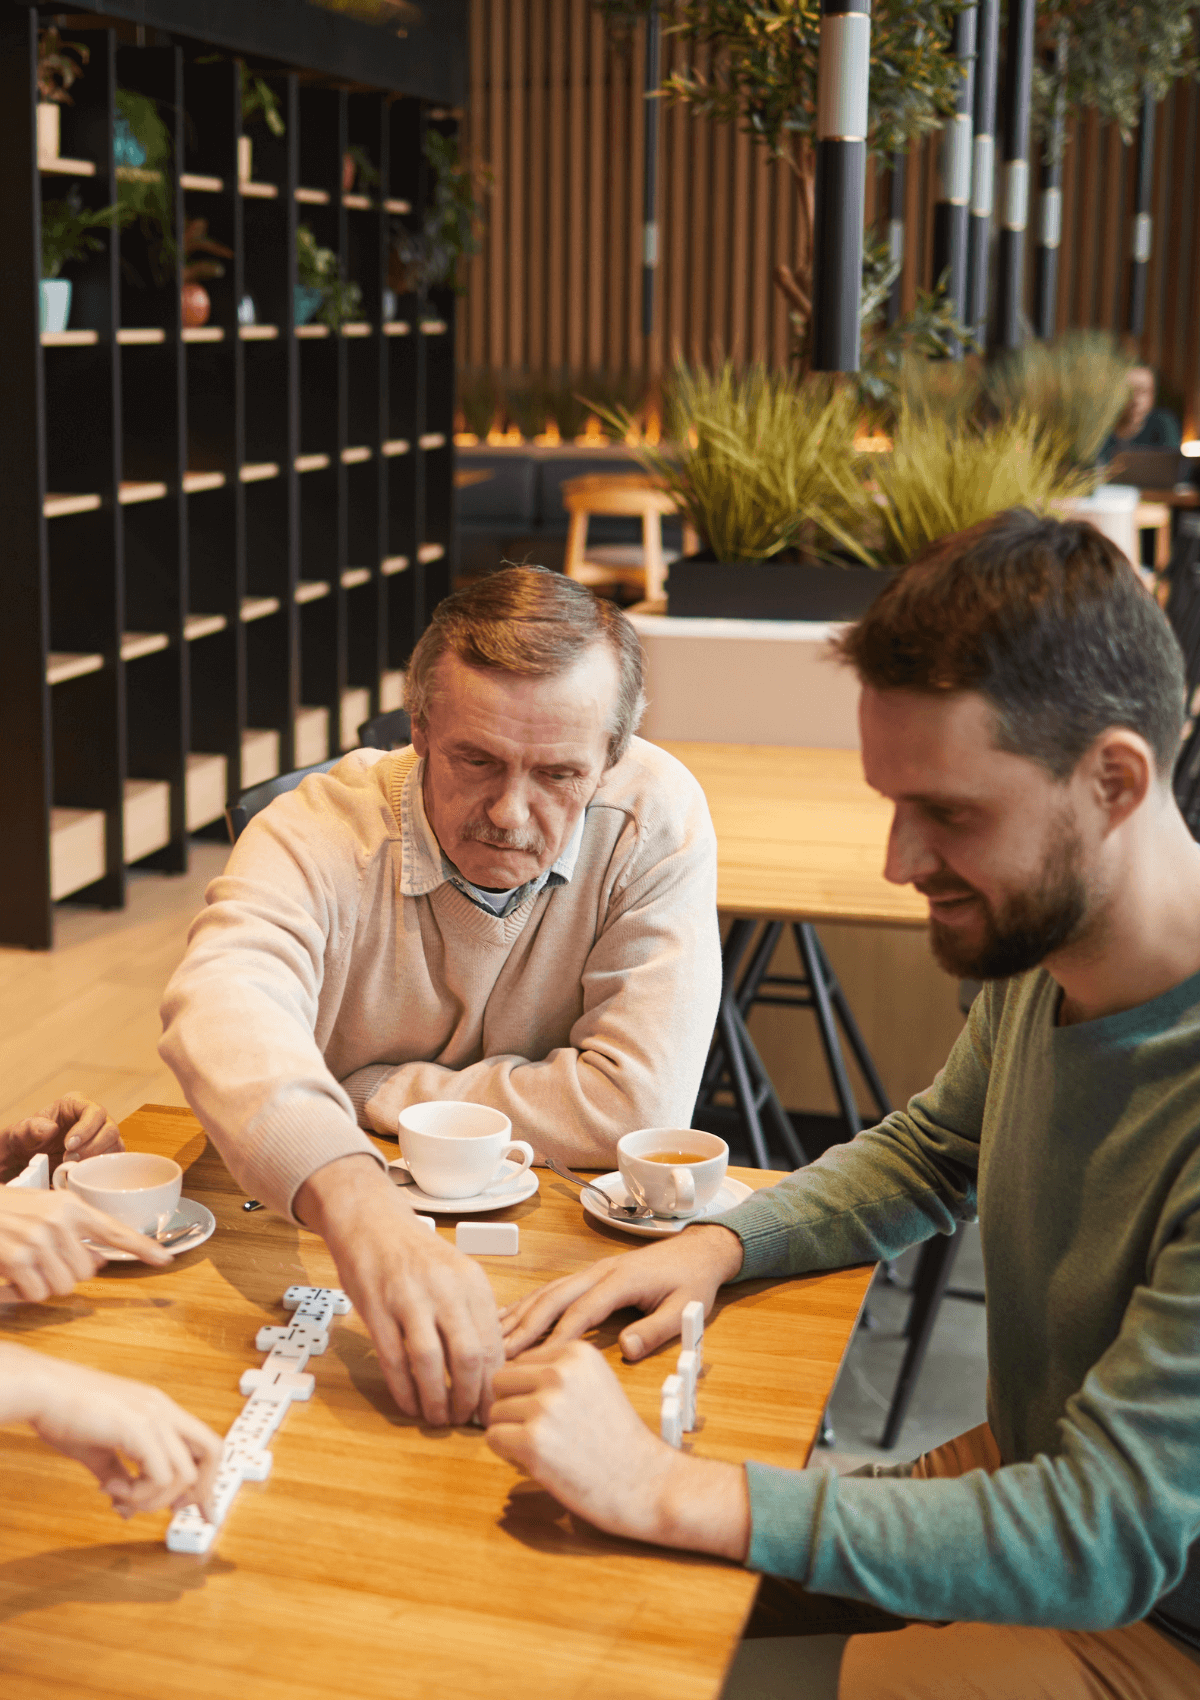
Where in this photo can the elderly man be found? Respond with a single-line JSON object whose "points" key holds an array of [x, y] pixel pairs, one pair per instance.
{"points": [[1021, 710], [520, 911]]}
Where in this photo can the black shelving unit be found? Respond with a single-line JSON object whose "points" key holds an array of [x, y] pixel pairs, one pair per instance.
{"points": [[219, 543]]}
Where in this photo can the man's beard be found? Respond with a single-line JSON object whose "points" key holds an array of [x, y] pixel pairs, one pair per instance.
{"points": [[1026, 928]]}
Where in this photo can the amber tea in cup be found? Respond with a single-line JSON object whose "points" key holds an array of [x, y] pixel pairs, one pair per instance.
{"points": [[673, 1157]]}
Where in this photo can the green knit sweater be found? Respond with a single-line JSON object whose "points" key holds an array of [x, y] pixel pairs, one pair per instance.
{"points": [[1079, 1147]]}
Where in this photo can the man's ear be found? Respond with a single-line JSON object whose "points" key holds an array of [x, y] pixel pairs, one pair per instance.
{"points": [[420, 741], [1120, 771]]}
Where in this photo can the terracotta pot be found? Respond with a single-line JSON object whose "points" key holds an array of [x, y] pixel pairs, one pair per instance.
{"points": [[348, 170], [195, 303]]}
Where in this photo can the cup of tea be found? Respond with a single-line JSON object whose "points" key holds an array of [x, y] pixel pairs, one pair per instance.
{"points": [[673, 1171], [456, 1150], [138, 1188]]}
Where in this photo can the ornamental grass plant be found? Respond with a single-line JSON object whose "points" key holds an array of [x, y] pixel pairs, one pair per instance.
{"points": [[760, 462], [1075, 386], [942, 477]]}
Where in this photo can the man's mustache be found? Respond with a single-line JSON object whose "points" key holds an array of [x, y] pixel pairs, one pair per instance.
{"points": [[483, 832], [943, 886]]}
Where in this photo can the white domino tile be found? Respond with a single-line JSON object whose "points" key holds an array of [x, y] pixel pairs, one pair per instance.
{"points": [[36, 1175], [686, 1372], [692, 1330], [271, 1388]]}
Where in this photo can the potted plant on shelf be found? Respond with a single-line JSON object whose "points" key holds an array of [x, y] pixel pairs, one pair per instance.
{"points": [[321, 287], [59, 64], [763, 466], [261, 104], [195, 305], [69, 233]]}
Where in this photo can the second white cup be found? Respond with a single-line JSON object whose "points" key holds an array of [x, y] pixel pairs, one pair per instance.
{"points": [[137, 1187], [455, 1150]]}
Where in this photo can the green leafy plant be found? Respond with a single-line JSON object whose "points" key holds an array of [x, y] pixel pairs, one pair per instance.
{"points": [[145, 191], [260, 101], [941, 478], [1076, 386], [59, 64], [320, 268], [429, 258], [1109, 51], [69, 230], [365, 174], [761, 463]]}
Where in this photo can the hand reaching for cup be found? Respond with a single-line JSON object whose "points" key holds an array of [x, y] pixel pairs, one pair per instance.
{"points": [[70, 1127], [41, 1243], [110, 1424]]}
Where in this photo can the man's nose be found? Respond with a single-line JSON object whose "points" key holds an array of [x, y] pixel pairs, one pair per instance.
{"points": [[909, 857], [509, 808]]}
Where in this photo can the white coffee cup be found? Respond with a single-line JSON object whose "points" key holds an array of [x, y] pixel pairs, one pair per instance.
{"points": [[456, 1150], [672, 1189], [137, 1187]]}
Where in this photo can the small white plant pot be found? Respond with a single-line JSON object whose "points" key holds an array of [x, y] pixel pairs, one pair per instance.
{"points": [[56, 303], [245, 159], [49, 130]]}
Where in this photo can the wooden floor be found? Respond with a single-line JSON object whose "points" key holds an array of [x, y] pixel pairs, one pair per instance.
{"points": [[84, 1016]]}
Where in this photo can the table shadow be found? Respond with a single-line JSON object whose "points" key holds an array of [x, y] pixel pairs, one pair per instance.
{"points": [[122, 1573]]}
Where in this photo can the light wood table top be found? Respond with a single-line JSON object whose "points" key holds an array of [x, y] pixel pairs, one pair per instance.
{"points": [[380, 1559], [800, 835]]}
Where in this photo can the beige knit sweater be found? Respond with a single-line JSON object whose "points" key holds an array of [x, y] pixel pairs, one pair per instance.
{"points": [[315, 995]]}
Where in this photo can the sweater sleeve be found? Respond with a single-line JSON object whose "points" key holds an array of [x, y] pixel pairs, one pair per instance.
{"points": [[650, 988], [892, 1186], [1089, 1538], [240, 1012]]}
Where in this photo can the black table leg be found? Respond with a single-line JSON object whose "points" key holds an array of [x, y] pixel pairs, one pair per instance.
{"points": [[933, 1275]]}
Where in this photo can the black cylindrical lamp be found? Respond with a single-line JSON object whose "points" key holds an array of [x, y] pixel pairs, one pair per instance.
{"points": [[1049, 234], [952, 209], [895, 231], [1143, 223], [651, 105], [1014, 214], [843, 73], [983, 166]]}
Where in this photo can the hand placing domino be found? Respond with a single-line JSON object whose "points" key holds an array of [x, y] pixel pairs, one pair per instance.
{"points": [[272, 1388]]}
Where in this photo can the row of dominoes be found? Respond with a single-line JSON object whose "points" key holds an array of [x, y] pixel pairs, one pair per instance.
{"points": [[678, 1414], [272, 1387]]}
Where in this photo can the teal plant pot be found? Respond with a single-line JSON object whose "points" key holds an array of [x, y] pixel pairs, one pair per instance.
{"points": [[127, 150], [56, 303], [306, 302]]}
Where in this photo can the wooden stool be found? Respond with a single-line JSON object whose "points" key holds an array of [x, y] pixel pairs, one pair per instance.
{"points": [[633, 496]]}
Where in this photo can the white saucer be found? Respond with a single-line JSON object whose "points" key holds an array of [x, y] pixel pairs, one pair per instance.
{"points": [[729, 1193], [188, 1212], [504, 1190]]}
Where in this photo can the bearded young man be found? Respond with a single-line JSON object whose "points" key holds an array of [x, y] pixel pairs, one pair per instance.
{"points": [[1021, 708]]}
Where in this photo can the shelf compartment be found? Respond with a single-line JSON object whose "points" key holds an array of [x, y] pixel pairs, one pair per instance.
{"points": [[257, 472], [59, 506], [391, 690], [202, 333], [260, 756], [354, 708], [195, 483], [141, 336], [356, 456], [61, 666], [393, 564], [312, 736], [147, 816], [200, 185], [312, 463], [205, 790], [259, 607], [77, 850], [428, 552], [354, 576], [395, 446], [312, 590], [140, 490], [136, 645], [70, 339], [197, 626]]}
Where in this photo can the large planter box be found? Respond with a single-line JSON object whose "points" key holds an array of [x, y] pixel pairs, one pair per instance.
{"points": [[770, 590]]}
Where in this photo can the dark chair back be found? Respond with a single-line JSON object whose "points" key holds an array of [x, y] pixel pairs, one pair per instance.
{"points": [[1183, 611], [391, 731], [250, 802]]}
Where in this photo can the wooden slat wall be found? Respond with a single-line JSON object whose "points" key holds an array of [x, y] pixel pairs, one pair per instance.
{"points": [[555, 112]]}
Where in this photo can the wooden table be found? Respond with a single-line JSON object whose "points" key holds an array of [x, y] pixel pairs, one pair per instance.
{"points": [[380, 1559]]}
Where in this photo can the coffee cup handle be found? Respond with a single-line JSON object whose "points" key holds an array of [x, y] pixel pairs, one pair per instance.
{"points": [[685, 1189], [518, 1150], [400, 1172], [59, 1178]]}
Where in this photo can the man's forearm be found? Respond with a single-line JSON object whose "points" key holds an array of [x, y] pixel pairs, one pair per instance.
{"points": [[330, 1193], [704, 1506]]}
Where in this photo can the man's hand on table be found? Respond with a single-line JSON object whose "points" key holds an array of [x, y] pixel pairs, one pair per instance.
{"points": [[71, 1127], [659, 1279], [41, 1243], [109, 1423], [559, 1414], [430, 1310]]}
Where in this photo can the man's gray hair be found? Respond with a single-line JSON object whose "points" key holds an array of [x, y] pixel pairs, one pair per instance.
{"points": [[532, 622]]}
